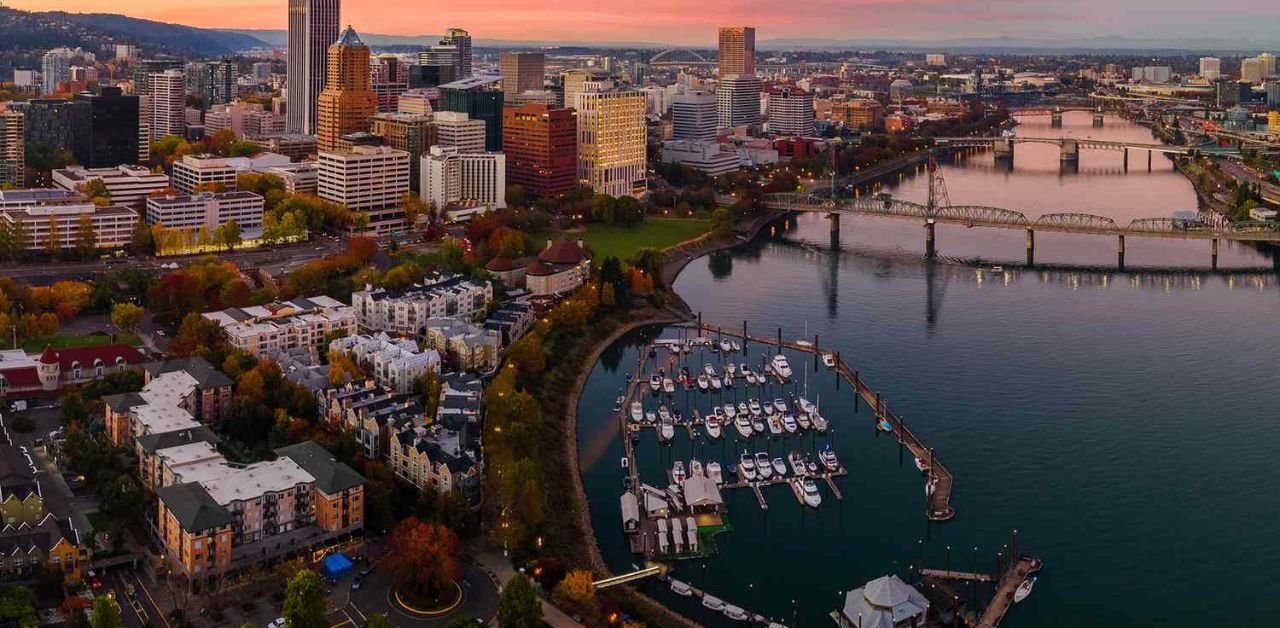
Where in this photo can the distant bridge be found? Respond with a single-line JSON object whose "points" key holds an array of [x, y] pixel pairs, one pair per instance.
{"points": [[674, 57], [1081, 143]]}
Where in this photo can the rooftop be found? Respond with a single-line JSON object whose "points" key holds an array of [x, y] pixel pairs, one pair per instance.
{"points": [[331, 476]]}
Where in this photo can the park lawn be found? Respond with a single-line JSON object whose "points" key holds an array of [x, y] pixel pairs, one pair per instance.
{"points": [[73, 341], [624, 242]]}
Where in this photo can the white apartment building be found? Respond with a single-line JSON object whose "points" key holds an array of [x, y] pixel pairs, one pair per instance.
{"points": [[712, 158], [127, 185], [460, 183], [298, 178], [791, 112], [193, 171], [208, 209], [611, 138], [457, 129], [112, 224], [406, 312], [372, 179], [265, 330], [396, 363], [167, 102], [1210, 68]]}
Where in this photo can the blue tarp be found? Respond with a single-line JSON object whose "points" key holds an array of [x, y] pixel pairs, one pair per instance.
{"points": [[336, 565]]}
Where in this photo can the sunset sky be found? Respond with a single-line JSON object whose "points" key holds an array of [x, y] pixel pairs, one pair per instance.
{"points": [[692, 23]]}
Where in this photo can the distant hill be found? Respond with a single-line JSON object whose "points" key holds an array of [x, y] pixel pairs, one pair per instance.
{"points": [[23, 30], [279, 39]]}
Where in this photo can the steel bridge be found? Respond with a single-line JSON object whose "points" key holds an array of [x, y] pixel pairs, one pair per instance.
{"points": [[1077, 142]]}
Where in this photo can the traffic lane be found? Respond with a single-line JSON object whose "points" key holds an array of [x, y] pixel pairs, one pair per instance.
{"points": [[480, 599], [132, 612], [145, 597]]}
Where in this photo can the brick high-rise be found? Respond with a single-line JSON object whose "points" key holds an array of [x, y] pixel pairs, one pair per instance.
{"points": [[347, 102], [541, 144], [737, 50]]}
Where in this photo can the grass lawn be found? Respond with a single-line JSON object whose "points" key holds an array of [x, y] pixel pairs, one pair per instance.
{"points": [[624, 242], [71, 341]]}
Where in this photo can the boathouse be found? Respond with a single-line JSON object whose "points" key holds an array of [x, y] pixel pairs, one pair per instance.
{"points": [[886, 602]]}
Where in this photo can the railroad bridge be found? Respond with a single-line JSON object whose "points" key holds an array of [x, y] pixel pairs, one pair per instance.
{"points": [[1071, 146]]}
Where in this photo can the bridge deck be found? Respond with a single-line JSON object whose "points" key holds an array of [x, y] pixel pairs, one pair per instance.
{"points": [[957, 575]]}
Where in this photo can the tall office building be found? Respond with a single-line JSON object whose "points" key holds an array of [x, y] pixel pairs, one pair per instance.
{"points": [[695, 116], [11, 148], [475, 181], [49, 122], [106, 134], [737, 50], [167, 104], [1252, 70], [573, 79], [55, 69], [390, 79], [521, 71], [479, 98], [738, 98], [1268, 61], [143, 69], [611, 139], [791, 112], [348, 101], [454, 128], [411, 133], [216, 82], [541, 144], [313, 26], [461, 40], [371, 179], [1210, 68]]}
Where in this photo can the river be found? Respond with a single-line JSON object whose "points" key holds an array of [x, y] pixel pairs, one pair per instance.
{"points": [[1120, 421]]}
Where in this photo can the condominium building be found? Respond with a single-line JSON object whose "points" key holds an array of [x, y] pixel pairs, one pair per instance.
{"points": [[465, 345], [738, 97], [1210, 68], [313, 26], [464, 184], [611, 139], [58, 226], [348, 101], [209, 210], [11, 148], [695, 116], [126, 185], [372, 179], [737, 50], [167, 104], [244, 119], [791, 112], [215, 81], [541, 145], [405, 312], [266, 330], [397, 364], [458, 130], [443, 455], [55, 69], [573, 79], [521, 71], [298, 178], [858, 114]]}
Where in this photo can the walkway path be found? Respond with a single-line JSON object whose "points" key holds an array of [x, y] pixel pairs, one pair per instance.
{"points": [[500, 570]]}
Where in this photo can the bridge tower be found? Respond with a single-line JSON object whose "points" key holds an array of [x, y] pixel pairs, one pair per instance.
{"points": [[834, 216], [1097, 117], [1055, 118], [938, 197]]}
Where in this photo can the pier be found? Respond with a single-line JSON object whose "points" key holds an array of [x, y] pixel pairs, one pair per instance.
{"points": [[1009, 582]]}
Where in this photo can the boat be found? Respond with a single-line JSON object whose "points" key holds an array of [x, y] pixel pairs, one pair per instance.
{"points": [[775, 425], [750, 377], [757, 426], [819, 423], [806, 406], [1024, 589], [667, 431], [779, 405], [769, 409], [668, 385], [747, 467], [930, 486], [655, 383], [731, 369], [728, 380], [780, 366], [733, 344], [743, 369], [829, 359], [804, 421], [617, 403], [680, 588], [827, 456], [763, 466], [743, 425], [709, 370], [780, 466], [797, 464], [714, 472], [650, 417], [703, 382], [754, 407], [884, 425], [663, 413], [695, 468], [728, 410], [713, 426], [742, 408], [922, 464], [810, 465], [712, 602], [663, 541], [637, 411], [677, 472], [997, 269], [811, 497], [735, 612], [789, 423], [716, 384], [626, 464], [725, 345]]}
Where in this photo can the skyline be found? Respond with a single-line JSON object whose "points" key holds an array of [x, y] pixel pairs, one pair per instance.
{"points": [[670, 21]]}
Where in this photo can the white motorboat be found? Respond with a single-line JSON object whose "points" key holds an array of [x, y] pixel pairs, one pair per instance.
{"points": [[997, 269], [731, 369], [709, 370], [716, 384], [789, 423], [735, 612], [712, 602], [650, 417], [668, 385], [713, 426], [769, 409], [677, 472], [930, 486], [664, 414], [750, 377], [728, 380], [763, 466], [743, 425], [655, 383], [743, 369], [779, 405], [681, 589], [733, 344], [695, 468], [797, 464], [747, 467], [819, 423], [806, 406], [781, 367], [829, 359], [754, 407], [757, 426], [637, 411], [714, 472], [729, 410], [617, 403], [810, 466], [775, 425], [742, 408], [809, 488], [703, 382], [922, 464], [726, 346], [804, 421], [666, 431], [663, 541], [827, 456], [1024, 589], [780, 466]]}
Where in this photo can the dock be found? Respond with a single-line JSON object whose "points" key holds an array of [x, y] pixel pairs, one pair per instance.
{"points": [[1009, 582], [753, 618], [967, 576]]}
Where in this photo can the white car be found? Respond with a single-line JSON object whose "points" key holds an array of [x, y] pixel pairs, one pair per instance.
{"points": [[276, 623]]}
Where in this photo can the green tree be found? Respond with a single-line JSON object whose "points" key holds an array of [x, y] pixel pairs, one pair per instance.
{"points": [[228, 235], [86, 237], [722, 222], [304, 601], [144, 241], [519, 607], [97, 192], [452, 255], [105, 613]]}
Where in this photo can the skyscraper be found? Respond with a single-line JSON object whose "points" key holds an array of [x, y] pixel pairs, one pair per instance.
{"points": [[737, 50], [11, 149], [1210, 68], [216, 82], [572, 80], [144, 68], [167, 104], [611, 138], [348, 101], [55, 68], [541, 144], [521, 71], [49, 122], [313, 26], [738, 97], [462, 40], [478, 98], [107, 135], [791, 112], [695, 116]]}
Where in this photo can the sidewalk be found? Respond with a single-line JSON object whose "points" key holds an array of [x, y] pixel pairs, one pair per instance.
{"points": [[499, 568]]}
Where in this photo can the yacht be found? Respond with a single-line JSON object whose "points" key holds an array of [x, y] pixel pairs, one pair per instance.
{"points": [[750, 377], [769, 409], [655, 383], [829, 359], [828, 458], [650, 417], [922, 464], [709, 370], [637, 411], [743, 369], [677, 472], [757, 426], [779, 405], [747, 467], [763, 466], [703, 382], [664, 414], [726, 346], [930, 486], [804, 421], [617, 403], [797, 463], [714, 472], [780, 466], [667, 431], [789, 423], [728, 380], [668, 385], [810, 466], [713, 426], [742, 408], [681, 589], [735, 612], [781, 367], [731, 369], [775, 425], [733, 344], [728, 410], [754, 407], [806, 406], [716, 384], [1024, 589], [743, 425], [712, 602], [695, 468], [819, 423], [809, 489]]}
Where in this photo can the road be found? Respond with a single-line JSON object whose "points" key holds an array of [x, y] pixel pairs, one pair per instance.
{"points": [[1270, 193]]}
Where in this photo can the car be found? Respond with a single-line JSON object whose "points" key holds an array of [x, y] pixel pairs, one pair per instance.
{"points": [[94, 582], [356, 583], [276, 623], [160, 332]]}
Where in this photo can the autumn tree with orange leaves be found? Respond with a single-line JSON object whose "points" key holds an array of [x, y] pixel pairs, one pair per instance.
{"points": [[425, 559]]}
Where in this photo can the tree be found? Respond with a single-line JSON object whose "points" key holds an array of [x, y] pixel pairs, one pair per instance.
{"points": [[516, 196], [424, 557], [576, 593], [105, 613], [97, 192], [86, 237], [452, 255], [414, 208], [519, 607], [53, 242], [144, 242], [304, 601], [722, 222], [227, 234]]}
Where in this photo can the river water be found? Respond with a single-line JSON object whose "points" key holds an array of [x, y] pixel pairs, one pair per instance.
{"points": [[1120, 421]]}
